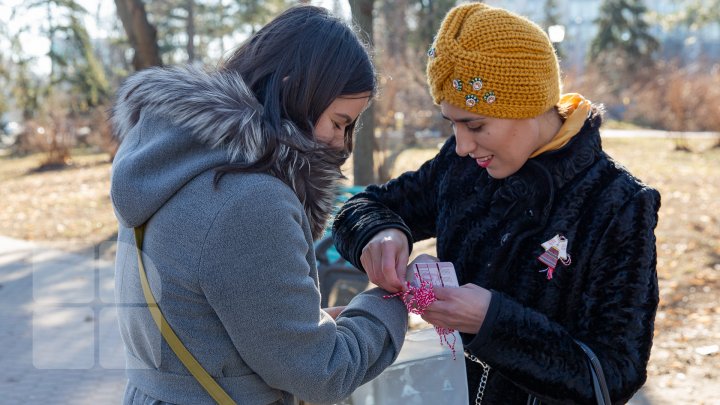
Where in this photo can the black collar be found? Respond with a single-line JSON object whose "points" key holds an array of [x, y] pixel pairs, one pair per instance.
{"points": [[582, 151]]}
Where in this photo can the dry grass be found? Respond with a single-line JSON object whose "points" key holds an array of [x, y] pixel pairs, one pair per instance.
{"points": [[688, 243], [68, 207]]}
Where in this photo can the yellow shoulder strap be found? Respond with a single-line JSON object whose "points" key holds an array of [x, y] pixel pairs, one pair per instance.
{"points": [[195, 368]]}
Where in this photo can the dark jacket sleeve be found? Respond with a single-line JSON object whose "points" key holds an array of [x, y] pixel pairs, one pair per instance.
{"points": [[408, 203], [617, 319]]}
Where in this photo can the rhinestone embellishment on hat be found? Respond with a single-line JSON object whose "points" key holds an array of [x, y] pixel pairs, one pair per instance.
{"points": [[471, 100], [476, 83], [431, 52], [489, 97], [457, 84]]}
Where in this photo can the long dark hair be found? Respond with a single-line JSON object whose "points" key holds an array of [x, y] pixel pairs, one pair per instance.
{"points": [[296, 66]]}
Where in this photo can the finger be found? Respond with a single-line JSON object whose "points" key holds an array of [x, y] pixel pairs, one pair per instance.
{"points": [[425, 258], [443, 293], [377, 275], [439, 308], [364, 261], [389, 260], [401, 266], [334, 311], [434, 320], [368, 260]]}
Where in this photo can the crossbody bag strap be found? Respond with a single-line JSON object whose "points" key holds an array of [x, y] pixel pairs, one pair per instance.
{"points": [[602, 395], [187, 359], [601, 390]]}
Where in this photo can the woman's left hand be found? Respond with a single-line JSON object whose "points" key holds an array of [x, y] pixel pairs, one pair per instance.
{"points": [[334, 311], [462, 308]]}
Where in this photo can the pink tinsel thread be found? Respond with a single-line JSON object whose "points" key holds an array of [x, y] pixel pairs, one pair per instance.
{"points": [[416, 300]]}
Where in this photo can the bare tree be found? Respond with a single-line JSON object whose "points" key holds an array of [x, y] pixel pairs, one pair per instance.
{"points": [[363, 164], [141, 34], [190, 30]]}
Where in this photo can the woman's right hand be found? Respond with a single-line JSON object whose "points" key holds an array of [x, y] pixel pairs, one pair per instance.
{"points": [[385, 259]]}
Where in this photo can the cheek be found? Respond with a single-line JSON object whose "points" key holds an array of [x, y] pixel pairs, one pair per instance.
{"points": [[517, 139], [509, 147], [323, 131]]}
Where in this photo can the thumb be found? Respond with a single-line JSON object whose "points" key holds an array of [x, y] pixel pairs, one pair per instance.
{"points": [[443, 293]]}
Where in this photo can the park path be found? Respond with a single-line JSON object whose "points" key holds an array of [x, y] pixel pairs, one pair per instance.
{"points": [[59, 340]]}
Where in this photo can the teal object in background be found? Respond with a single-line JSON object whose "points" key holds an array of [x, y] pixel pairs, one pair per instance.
{"points": [[344, 194], [339, 280]]}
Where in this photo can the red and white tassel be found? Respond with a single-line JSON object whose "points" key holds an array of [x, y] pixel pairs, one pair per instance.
{"points": [[416, 300]]}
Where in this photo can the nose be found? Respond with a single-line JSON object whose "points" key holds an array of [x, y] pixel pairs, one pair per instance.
{"points": [[464, 143]]}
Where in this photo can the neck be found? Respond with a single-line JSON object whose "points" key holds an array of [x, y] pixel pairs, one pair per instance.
{"points": [[550, 123]]}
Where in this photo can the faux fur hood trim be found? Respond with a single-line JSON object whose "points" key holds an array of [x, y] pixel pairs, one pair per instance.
{"points": [[220, 111]]}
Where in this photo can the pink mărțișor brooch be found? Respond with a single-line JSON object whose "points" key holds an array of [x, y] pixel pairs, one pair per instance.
{"points": [[555, 250]]}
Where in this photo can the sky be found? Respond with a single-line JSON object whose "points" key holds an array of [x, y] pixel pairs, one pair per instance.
{"points": [[35, 43]]}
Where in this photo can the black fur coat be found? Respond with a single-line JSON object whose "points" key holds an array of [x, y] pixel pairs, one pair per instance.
{"points": [[492, 230]]}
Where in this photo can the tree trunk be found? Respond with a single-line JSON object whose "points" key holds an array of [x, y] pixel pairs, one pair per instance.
{"points": [[141, 34], [363, 164], [191, 30]]}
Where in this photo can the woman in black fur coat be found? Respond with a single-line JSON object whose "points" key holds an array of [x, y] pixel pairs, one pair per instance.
{"points": [[552, 240]]}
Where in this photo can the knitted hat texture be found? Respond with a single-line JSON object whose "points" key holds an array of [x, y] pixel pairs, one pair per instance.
{"points": [[492, 62]]}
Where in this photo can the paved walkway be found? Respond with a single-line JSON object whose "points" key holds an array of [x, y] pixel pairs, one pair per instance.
{"points": [[59, 341]]}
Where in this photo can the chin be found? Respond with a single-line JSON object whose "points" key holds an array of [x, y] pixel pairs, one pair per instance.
{"points": [[500, 174], [497, 175]]}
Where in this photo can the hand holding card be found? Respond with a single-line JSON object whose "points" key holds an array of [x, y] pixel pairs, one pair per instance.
{"points": [[422, 275], [440, 274]]}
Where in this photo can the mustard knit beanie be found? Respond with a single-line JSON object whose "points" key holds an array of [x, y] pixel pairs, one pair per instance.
{"points": [[492, 62]]}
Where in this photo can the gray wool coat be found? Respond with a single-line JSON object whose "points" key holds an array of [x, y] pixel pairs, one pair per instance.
{"points": [[233, 269]]}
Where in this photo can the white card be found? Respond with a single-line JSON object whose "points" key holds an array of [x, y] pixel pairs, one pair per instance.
{"points": [[439, 273]]}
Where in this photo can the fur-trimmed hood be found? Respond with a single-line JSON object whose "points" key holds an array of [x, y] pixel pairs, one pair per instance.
{"points": [[175, 123]]}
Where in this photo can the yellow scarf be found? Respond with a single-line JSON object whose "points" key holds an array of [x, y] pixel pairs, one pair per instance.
{"points": [[575, 108]]}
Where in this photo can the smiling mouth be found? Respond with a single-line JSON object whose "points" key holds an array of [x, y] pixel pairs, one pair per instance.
{"points": [[484, 161]]}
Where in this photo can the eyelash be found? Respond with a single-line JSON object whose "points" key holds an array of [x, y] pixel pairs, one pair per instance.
{"points": [[477, 129]]}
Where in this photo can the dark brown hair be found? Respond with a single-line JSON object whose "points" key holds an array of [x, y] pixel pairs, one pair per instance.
{"points": [[296, 66]]}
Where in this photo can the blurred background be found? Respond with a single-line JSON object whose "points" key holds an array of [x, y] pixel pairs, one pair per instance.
{"points": [[655, 66]]}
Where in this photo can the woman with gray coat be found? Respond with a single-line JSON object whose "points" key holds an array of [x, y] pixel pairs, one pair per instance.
{"points": [[231, 174]]}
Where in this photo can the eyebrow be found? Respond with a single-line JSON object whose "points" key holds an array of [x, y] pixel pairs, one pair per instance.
{"points": [[344, 116], [464, 120]]}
